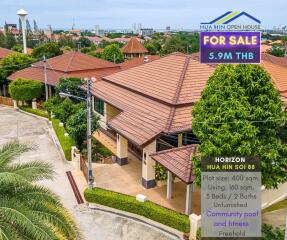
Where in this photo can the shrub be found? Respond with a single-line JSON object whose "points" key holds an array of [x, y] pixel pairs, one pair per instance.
{"points": [[66, 142], [147, 209], [77, 126], [268, 233], [65, 109], [35, 111], [25, 89], [160, 172]]}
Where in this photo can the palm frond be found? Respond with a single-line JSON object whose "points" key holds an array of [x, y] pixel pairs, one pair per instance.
{"points": [[31, 171], [13, 149]]}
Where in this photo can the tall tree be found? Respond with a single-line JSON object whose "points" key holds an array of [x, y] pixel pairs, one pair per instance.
{"points": [[113, 53], [27, 210], [50, 49], [240, 113]]}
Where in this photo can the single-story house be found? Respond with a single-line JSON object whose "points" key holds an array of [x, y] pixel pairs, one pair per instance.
{"points": [[71, 64], [147, 108]]}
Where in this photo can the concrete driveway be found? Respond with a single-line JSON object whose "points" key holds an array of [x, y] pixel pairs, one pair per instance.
{"points": [[95, 225]]}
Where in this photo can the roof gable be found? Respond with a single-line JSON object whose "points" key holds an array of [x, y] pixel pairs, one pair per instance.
{"points": [[134, 46]]}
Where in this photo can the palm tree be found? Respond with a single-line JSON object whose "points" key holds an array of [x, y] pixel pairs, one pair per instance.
{"points": [[27, 210]]}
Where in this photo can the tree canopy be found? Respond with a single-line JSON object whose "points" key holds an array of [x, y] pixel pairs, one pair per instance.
{"points": [[240, 113], [25, 89], [77, 126], [50, 49], [14, 62], [30, 211], [113, 53]]}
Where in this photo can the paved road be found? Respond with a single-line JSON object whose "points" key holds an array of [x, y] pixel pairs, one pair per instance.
{"points": [[95, 225]]}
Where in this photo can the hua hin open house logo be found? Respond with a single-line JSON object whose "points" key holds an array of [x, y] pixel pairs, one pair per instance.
{"points": [[229, 21]]}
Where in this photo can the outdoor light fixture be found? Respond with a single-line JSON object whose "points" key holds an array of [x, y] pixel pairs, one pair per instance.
{"points": [[22, 15]]}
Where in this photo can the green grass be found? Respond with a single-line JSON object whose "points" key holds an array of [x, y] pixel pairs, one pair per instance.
{"points": [[147, 209], [66, 142], [279, 205], [37, 112]]}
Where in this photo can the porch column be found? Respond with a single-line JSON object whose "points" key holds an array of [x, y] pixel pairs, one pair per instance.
{"points": [[189, 190], [148, 171], [169, 185], [122, 150], [179, 140]]}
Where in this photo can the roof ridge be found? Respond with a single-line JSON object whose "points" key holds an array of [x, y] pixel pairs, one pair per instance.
{"points": [[68, 66], [181, 79], [177, 92]]}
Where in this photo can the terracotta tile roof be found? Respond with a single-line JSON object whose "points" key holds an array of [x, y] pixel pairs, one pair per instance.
{"points": [[134, 46], [72, 64], [154, 98], [169, 79], [137, 61], [75, 61], [4, 52], [281, 61], [157, 97], [178, 161]]}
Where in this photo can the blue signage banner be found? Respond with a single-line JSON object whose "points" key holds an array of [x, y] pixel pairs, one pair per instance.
{"points": [[230, 47]]}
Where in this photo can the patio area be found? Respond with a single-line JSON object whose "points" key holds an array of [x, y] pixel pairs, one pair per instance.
{"points": [[127, 179]]}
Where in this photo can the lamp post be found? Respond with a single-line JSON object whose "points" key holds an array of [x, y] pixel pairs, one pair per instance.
{"points": [[22, 15], [89, 131]]}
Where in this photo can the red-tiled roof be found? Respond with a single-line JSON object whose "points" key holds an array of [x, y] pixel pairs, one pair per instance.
{"points": [[138, 61], [154, 97], [4, 52], [72, 64], [157, 97], [178, 161], [281, 61], [75, 61], [134, 46]]}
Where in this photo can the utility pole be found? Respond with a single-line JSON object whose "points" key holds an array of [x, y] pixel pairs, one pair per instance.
{"points": [[45, 77], [89, 135], [114, 58]]}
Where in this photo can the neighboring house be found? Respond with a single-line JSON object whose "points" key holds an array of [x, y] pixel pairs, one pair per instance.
{"points": [[134, 48], [147, 108], [74, 64], [71, 64], [4, 52]]}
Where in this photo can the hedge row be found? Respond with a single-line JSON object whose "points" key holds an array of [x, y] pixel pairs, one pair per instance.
{"points": [[37, 112], [147, 209], [66, 142]]}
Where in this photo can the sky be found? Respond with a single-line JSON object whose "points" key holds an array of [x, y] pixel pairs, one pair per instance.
{"points": [[111, 14]]}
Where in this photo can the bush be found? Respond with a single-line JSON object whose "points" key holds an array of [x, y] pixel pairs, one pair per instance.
{"points": [[65, 109], [77, 126], [66, 142], [35, 111], [268, 233], [160, 172], [147, 209], [25, 89]]}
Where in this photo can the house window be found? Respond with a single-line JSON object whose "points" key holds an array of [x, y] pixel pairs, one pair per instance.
{"points": [[99, 106], [189, 138]]}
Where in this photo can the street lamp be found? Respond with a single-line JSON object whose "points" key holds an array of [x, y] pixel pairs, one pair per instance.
{"points": [[89, 131], [22, 15]]}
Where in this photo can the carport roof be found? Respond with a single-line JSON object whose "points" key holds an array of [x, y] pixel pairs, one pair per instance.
{"points": [[178, 161]]}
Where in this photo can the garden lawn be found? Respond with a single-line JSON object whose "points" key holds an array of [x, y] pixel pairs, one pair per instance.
{"points": [[37, 112], [66, 142]]}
